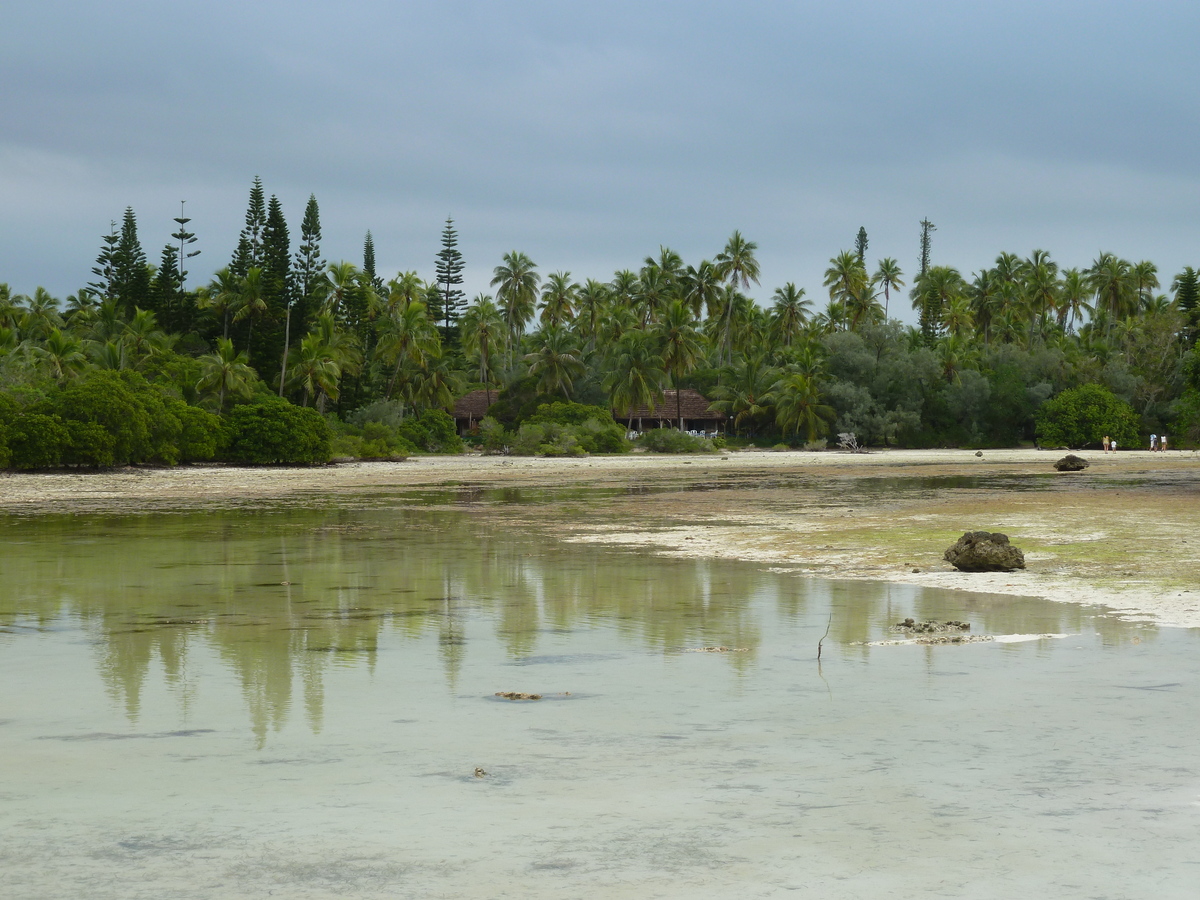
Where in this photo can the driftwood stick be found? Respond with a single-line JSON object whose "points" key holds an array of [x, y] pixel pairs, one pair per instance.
{"points": [[828, 625]]}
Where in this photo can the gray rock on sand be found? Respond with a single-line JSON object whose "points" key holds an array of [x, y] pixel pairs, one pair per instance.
{"points": [[1072, 463], [984, 551]]}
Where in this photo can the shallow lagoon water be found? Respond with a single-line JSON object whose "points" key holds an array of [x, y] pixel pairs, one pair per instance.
{"points": [[291, 700]]}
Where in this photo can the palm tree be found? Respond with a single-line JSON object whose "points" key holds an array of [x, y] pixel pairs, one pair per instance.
{"points": [[250, 303], [846, 278], [889, 277], [681, 347], [314, 369], [516, 283], [737, 264], [746, 393], [1073, 298], [933, 293], [789, 313], [654, 291], [554, 360], [590, 302], [61, 355], [558, 299], [143, 338], [864, 306], [40, 315], [798, 406], [1111, 279], [226, 372], [701, 287], [407, 336], [1145, 276], [1041, 287], [220, 295], [636, 375], [341, 282], [483, 332]]}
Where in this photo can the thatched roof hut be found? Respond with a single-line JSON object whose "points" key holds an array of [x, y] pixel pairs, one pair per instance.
{"points": [[695, 409], [472, 407]]}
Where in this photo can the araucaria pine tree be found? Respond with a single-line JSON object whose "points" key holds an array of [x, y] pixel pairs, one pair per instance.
{"points": [[369, 263], [249, 248], [276, 289], [105, 268], [308, 269], [860, 245], [131, 278], [449, 276]]}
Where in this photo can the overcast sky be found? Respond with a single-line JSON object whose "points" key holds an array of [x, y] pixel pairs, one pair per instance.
{"points": [[587, 135]]}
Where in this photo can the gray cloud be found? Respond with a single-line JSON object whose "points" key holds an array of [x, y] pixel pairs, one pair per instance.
{"points": [[588, 135]]}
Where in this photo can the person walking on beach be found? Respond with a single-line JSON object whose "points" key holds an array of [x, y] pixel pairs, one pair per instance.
{"points": [[1114, 446], [1106, 443], [1153, 442], [1162, 443]]}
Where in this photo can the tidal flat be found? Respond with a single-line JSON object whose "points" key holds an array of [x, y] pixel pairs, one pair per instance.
{"points": [[228, 684]]}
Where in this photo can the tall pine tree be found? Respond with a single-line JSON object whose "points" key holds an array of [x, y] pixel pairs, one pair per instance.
{"points": [[250, 242], [449, 276], [272, 336], [105, 268], [860, 245], [131, 277], [308, 268]]}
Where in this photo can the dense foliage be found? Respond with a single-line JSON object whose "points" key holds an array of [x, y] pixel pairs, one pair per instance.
{"points": [[142, 367]]}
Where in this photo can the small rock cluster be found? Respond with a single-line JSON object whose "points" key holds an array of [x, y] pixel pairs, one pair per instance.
{"points": [[911, 626], [984, 551]]}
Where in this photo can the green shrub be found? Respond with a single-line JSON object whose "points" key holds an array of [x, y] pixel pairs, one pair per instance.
{"points": [[104, 399], [492, 436], [199, 432], [672, 440], [601, 436], [528, 440], [432, 431], [1084, 415], [36, 441], [570, 413], [273, 431], [88, 444]]}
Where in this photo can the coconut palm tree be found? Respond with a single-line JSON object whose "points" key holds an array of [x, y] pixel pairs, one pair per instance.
{"points": [[250, 303], [559, 294], [220, 295], [1111, 278], [846, 277], [60, 355], [635, 376], [591, 300], [700, 287], [483, 333], [554, 360], [889, 277], [798, 406], [313, 368], [143, 338], [516, 283], [681, 346], [745, 391], [736, 264], [406, 337], [788, 315], [226, 372]]}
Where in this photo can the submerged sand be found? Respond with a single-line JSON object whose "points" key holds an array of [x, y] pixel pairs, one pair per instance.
{"points": [[1123, 534]]}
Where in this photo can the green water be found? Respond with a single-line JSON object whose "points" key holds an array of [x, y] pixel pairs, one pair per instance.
{"points": [[291, 700]]}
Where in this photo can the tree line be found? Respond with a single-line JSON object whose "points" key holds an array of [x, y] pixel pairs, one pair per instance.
{"points": [[987, 353]]}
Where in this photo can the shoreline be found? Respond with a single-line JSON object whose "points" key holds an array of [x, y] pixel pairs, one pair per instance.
{"points": [[1115, 536]]}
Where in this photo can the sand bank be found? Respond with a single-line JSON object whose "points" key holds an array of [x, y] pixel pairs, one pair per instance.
{"points": [[1124, 534]]}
